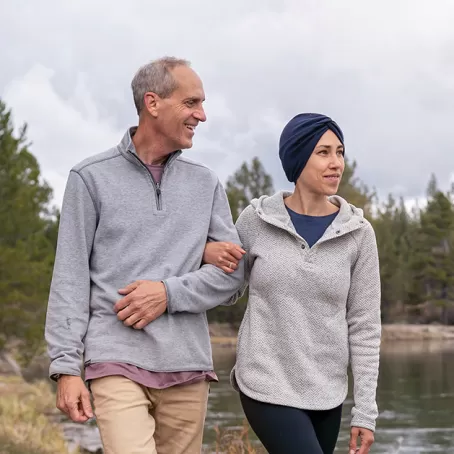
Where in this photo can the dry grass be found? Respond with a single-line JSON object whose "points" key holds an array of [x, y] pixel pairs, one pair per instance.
{"points": [[25, 427], [234, 441]]}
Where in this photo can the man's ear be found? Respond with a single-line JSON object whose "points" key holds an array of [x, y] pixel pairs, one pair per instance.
{"points": [[151, 102]]}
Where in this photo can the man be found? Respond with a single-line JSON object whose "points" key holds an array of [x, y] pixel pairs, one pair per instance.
{"points": [[129, 292]]}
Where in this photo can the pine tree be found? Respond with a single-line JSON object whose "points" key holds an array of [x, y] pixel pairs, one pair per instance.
{"points": [[394, 229], [433, 258], [27, 239], [354, 190], [248, 182]]}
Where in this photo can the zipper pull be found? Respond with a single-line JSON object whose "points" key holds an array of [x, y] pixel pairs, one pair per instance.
{"points": [[158, 188]]}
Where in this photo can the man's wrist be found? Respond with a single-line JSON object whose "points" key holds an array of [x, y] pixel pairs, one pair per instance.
{"points": [[57, 377]]}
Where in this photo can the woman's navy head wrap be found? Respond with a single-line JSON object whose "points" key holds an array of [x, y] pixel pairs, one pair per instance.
{"points": [[299, 138]]}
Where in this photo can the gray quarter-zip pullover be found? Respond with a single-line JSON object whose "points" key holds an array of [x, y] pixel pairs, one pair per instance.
{"points": [[118, 226]]}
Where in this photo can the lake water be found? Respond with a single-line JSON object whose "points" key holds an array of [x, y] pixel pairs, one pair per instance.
{"points": [[415, 398]]}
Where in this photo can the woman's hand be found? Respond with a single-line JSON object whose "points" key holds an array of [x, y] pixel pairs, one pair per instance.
{"points": [[225, 256], [367, 439]]}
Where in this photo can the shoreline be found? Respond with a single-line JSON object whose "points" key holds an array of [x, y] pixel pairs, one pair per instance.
{"points": [[390, 333], [402, 332], [31, 413]]}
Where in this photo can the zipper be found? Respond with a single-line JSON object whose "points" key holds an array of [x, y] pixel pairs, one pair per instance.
{"points": [[157, 186], [158, 193]]}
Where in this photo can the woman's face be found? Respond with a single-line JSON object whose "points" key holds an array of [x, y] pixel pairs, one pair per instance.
{"points": [[324, 169]]}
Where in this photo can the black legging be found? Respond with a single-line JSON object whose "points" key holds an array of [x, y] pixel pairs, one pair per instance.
{"points": [[288, 430]]}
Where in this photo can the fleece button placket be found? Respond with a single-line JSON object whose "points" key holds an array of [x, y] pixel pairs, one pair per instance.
{"points": [[305, 250]]}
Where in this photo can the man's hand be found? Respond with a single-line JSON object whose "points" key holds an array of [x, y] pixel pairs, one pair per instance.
{"points": [[225, 256], [367, 439], [73, 398], [144, 302]]}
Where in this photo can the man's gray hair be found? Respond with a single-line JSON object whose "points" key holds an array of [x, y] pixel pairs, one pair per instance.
{"points": [[156, 77]]}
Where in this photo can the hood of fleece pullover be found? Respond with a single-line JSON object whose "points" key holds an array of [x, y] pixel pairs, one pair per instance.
{"points": [[272, 210]]}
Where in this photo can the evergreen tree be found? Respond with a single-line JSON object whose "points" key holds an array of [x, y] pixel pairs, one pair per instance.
{"points": [[27, 239], [248, 182], [393, 228], [432, 262], [354, 190]]}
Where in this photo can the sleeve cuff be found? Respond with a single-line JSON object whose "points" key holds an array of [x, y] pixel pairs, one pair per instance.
{"points": [[365, 424], [168, 284], [55, 372]]}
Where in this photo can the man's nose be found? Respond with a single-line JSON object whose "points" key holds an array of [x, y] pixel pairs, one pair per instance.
{"points": [[200, 114]]}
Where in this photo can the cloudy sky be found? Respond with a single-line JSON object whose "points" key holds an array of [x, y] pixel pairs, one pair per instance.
{"points": [[384, 70]]}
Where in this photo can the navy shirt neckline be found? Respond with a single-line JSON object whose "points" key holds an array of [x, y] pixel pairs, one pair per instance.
{"points": [[309, 217], [311, 228]]}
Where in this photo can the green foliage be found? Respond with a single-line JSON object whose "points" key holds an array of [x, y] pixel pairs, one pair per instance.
{"points": [[394, 229], [247, 183], [432, 258], [416, 249], [354, 190], [27, 239]]}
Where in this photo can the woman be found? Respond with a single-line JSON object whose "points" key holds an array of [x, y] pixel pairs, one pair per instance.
{"points": [[311, 264]]}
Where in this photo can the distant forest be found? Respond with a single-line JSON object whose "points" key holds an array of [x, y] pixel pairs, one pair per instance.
{"points": [[416, 248]]}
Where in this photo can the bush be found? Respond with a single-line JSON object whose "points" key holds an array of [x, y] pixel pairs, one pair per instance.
{"points": [[25, 425]]}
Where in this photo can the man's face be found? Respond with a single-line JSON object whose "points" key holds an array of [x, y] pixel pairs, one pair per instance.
{"points": [[178, 116]]}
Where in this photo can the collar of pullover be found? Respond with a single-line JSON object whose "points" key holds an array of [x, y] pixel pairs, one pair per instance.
{"points": [[272, 210], [128, 150]]}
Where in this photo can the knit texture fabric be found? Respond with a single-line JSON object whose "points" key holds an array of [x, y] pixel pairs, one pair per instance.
{"points": [[311, 311]]}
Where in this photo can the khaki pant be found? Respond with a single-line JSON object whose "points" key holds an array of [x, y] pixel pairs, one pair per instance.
{"points": [[133, 419]]}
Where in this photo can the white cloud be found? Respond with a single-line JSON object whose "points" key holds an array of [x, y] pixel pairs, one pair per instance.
{"points": [[63, 131], [384, 70]]}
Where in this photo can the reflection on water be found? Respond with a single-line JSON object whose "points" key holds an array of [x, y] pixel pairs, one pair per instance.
{"points": [[415, 398]]}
